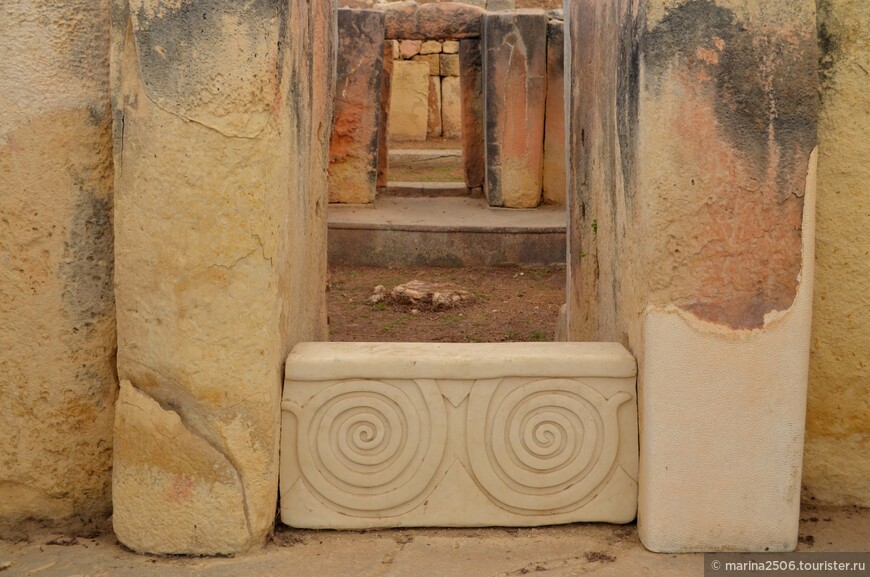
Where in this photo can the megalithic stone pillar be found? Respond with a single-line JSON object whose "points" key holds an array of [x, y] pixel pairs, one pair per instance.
{"points": [[356, 139], [222, 116], [472, 115], [57, 314], [383, 134], [554, 130], [515, 94], [692, 147]]}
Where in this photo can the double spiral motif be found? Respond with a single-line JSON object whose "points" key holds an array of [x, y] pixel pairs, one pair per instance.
{"points": [[542, 446], [372, 446]]}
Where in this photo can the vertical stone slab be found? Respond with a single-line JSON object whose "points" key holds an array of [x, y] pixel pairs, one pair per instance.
{"points": [[220, 149], [434, 126], [57, 316], [515, 93], [353, 151], [554, 130], [409, 101], [692, 135], [471, 85], [383, 134], [451, 107], [837, 453]]}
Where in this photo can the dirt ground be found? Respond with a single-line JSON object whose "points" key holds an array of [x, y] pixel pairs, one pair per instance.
{"points": [[509, 304]]}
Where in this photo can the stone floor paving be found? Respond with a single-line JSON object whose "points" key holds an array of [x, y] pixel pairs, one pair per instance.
{"points": [[580, 549]]}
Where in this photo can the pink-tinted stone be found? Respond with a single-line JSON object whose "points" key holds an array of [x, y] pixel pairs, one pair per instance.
{"points": [[444, 21], [434, 128], [353, 151], [554, 130], [515, 93], [386, 88]]}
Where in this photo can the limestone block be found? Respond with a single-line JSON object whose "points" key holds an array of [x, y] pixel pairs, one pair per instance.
{"points": [[410, 48], [353, 149], [432, 60], [443, 21], [471, 84], [168, 474], [837, 452], [57, 316], [410, 434], [450, 47], [450, 65], [220, 255], [434, 127], [515, 94], [451, 107], [409, 101], [386, 88], [500, 5], [554, 181], [397, 52], [430, 47], [691, 233]]}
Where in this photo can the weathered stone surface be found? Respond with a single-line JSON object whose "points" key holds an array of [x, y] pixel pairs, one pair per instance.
{"points": [[450, 47], [432, 60], [837, 452], [397, 52], [449, 64], [444, 20], [409, 108], [471, 84], [430, 47], [420, 434], [169, 472], [409, 48], [383, 129], [220, 246], [691, 240], [554, 181], [57, 319], [353, 149], [434, 126], [451, 107], [515, 94], [500, 5]]}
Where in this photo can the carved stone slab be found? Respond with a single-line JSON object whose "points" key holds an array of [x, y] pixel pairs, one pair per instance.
{"points": [[458, 435]]}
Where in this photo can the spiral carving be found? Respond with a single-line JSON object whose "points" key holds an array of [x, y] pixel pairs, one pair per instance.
{"points": [[372, 446], [541, 446]]}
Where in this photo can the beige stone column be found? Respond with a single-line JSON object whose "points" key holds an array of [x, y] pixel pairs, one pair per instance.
{"points": [[57, 317], [692, 136], [221, 135], [515, 93], [837, 454]]}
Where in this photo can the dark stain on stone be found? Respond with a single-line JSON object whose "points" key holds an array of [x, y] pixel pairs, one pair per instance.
{"points": [[829, 45], [764, 83], [628, 98], [88, 263]]}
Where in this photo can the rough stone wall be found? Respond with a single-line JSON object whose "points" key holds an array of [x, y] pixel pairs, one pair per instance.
{"points": [[691, 138], [222, 126], [837, 454], [57, 318]]}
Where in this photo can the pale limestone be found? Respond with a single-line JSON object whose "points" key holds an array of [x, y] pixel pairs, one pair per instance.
{"points": [[409, 101], [169, 473], [433, 60], [434, 128], [450, 47], [419, 434], [451, 107], [220, 250], [57, 317], [450, 64], [430, 47]]}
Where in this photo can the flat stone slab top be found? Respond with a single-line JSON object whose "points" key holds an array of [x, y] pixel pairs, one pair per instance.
{"points": [[458, 435]]}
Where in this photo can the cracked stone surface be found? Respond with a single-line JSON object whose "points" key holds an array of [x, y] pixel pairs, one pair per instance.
{"points": [[221, 204], [566, 551]]}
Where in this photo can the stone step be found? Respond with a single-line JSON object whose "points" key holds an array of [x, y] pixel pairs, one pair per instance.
{"points": [[445, 231], [429, 189], [458, 435]]}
